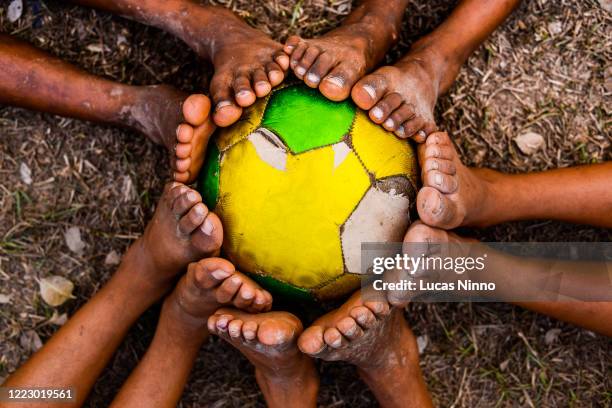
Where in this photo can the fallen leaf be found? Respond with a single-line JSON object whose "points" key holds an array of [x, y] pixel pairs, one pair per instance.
{"points": [[55, 290], [112, 258], [422, 342], [25, 173], [4, 299], [529, 142], [555, 27], [606, 5], [30, 340], [504, 365], [551, 336], [58, 319], [74, 241], [15, 9]]}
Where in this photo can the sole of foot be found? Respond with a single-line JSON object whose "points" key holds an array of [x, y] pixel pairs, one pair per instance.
{"points": [[452, 195]]}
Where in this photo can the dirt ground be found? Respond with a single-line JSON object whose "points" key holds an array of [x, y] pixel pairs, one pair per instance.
{"points": [[547, 70]]}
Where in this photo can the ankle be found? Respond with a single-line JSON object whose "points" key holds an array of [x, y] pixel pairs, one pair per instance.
{"points": [[443, 65], [183, 326], [280, 387]]}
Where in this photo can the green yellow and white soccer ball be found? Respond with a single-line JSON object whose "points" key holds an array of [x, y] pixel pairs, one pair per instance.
{"points": [[299, 183]]}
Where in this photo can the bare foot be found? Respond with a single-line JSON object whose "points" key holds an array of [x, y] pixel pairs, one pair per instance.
{"points": [[378, 341], [402, 97], [182, 231], [192, 138], [248, 64], [453, 195], [285, 375], [209, 284], [332, 63]]}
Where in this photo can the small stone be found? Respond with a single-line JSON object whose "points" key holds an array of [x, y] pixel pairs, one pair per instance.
{"points": [[25, 173], [5, 299], [529, 142], [422, 342], [15, 9], [555, 27], [551, 336], [74, 241], [112, 258]]}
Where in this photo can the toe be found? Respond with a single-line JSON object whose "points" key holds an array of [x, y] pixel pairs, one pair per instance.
{"points": [[311, 341], [245, 296], [226, 111], [282, 60], [363, 316], [209, 236], [275, 332], [211, 272], [193, 219], [243, 93], [249, 330], [369, 90], [262, 301], [234, 328], [436, 209], [181, 177], [184, 133], [414, 127], [291, 44], [260, 83], [445, 166], [379, 309], [403, 113], [306, 61], [444, 183], [183, 150], [275, 73], [337, 85], [319, 69], [381, 111], [225, 293], [196, 109], [333, 338], [349, 328], [297, 54], [439, 138], [438, 151], [185, 201]]}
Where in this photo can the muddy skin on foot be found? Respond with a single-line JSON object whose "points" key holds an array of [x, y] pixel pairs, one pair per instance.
{"points": [[335, 61], [182, 231], [452, 195], [402, 97], [376, 339], [268, 341], [209, 284]]}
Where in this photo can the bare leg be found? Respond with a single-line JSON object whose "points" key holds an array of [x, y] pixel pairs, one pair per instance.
{"points": [[517, 277], [181, 231], [454, 195], [247, 63], [33, 79], [402, 97], [335, 61], [379, 342], [286, 377], [160, 377]]}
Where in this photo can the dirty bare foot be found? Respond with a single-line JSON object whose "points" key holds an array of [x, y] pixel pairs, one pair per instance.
{"points": [[335, 61], [285, 375], [182, 231], [376, 339], [453, 195]]}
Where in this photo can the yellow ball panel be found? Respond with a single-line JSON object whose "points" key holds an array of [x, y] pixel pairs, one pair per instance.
{"points": [[288, 220], [346, 283], [382, 153], [249, 121]]}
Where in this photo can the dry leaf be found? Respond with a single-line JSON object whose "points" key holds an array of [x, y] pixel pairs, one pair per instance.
{"points": [[5, 299], [74, 241], [55, 290], [58, 319], [422, 342], [606, 5], [529, 142], [15, 9], [30, 341], [551, 336], [112, 258], [25, 173]]}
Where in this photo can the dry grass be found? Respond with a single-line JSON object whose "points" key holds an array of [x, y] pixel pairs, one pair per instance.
{"points": [[546, 70]]}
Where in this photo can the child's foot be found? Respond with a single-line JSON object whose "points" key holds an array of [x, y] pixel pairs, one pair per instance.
{"points": [[378, 341], [402, 97], [179, 122], [182, 231], [209, 284], [332, 63], [285, 375], [248, 64], [452, 195]]}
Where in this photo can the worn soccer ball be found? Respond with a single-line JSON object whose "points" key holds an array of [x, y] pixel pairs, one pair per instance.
{"points": [[300, 182]]}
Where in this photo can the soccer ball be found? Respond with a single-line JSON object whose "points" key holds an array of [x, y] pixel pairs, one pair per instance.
{"points": [[299, 183]]}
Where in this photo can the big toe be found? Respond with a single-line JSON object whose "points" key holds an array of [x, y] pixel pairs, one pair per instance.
{"points": [[208, 237], [276, 332], [337, 85], [436, 209], [422, 233], [311, 341], [367, 92], [196, 109]]}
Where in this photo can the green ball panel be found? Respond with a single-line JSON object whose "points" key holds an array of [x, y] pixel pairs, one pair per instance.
{"points": [[208, 183], [282, 289], [305, 119]]}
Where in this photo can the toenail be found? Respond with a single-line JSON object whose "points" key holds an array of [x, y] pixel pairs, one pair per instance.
{"points": [[222, 322], [293, 63], [351, 331], [207, 227], [243, 94], [220, 274], [377, 112], [438, 179], [423, 134], [236, 280], [389, 124], [336, 81], [400, 131], [336, 343], [370, 91], [300, 71], [191, 196], [222, 105], [434, 165], [247, 294], [363, 319], [199, 210], [260, 301], [314, 78]]}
